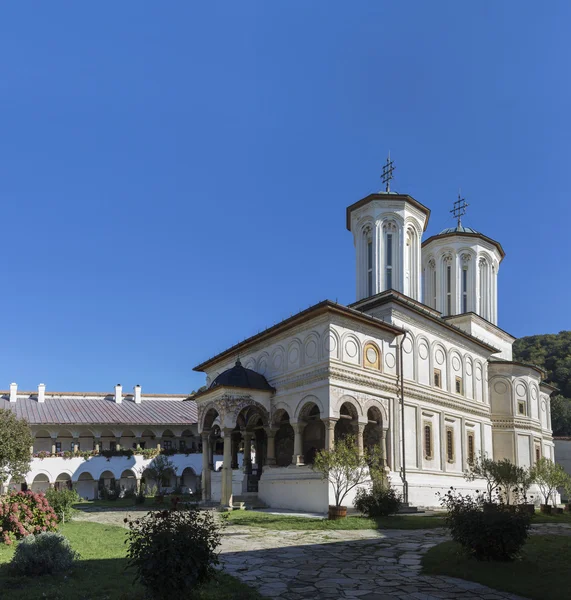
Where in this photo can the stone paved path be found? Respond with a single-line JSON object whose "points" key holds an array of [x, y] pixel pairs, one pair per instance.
{"points": [[360, 564], [365, 564]]}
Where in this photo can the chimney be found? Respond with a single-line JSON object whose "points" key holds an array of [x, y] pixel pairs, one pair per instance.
{"points": [[41, 392], [13, 392], [137, 390], [118, 393]]}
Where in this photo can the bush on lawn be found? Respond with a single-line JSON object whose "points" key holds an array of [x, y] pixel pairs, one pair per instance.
{"points": [[62, 502], [23, 513], [43, 554], [379, 500], [173, 552], [485, 531]]}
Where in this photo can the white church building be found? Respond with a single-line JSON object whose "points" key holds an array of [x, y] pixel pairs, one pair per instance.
{"points": [[416, 365]]}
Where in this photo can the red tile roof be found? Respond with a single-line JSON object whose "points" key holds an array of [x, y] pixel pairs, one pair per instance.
{"points": [[102, 410]]}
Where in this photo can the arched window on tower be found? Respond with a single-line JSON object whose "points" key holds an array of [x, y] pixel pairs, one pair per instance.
{"points": [[389, 252], [464, 281], [431, 284], [484, 288], [448, 284], [368, 242]]}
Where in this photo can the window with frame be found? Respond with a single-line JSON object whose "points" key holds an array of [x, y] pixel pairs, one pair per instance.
{"points": [[437, 378], [449, 290], [389, 260], [471, 447], [182, 445], [369, 267], [427, 441], [459, 385], [167, 445], [58, 447], [465, 289], [537, 452], [113, 446], [450, 444], [522, 408], [72, 446]]}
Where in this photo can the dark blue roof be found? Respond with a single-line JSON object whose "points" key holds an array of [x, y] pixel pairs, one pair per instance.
{"points": [[240, 377], [459, 229]]}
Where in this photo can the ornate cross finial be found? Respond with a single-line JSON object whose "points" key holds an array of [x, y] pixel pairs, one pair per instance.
{"points": [[459, 209], [387, 174]]}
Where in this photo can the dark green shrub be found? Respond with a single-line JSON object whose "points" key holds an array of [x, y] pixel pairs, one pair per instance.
{"points": [[377, 501], [484, 530], [43, 554], [62, 502], [173, 551]]}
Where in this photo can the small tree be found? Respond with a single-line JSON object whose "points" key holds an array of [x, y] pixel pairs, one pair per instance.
{"points": [[549, 476], [15, 442], [510, 477], [343, 467], [485, 468], [160, 468]]}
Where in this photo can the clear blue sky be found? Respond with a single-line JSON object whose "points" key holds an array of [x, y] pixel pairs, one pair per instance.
{"points": [[174, 176]]}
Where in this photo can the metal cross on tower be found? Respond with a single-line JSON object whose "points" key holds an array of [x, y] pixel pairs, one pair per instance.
{"points": [[459, 209], [387, 174]]}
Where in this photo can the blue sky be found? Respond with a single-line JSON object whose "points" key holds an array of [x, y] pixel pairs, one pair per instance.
{"points": [[174, 176]]}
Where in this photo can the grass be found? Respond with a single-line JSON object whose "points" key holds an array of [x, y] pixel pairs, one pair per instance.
{"points": [[122, 503], [100, 573], [291, 523], [542, 572]]}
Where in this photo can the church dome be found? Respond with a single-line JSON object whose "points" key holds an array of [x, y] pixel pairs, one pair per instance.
{"points": [[240, 377], [459, 229]]}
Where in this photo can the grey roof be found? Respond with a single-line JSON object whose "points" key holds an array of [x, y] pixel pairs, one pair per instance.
{"points": [[240, 377], [102, 410], [459, 229]]}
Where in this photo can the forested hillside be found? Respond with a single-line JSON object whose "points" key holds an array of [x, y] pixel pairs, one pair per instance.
{"points": [[552, 352]]}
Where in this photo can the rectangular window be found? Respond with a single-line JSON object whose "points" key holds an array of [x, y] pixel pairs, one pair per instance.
{"points": [[459, 385], [428, 441], [471, 447], [450, 444], [389, 255], [537, 452], [464, 290], [521, 408], [449, 290], [167, 445], [112, 446], [369, 267], [72, 446], [437, 378], [182, 445], [434, 288], [58, 446]]}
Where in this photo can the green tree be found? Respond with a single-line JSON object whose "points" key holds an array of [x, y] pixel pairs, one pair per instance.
{"points": [[549, 476], [15, 442], [161, 469], [342, 467], [485, 468]]}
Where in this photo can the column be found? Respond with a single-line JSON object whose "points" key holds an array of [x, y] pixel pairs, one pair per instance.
{"points": [[247, 452], [383, 447], [159, 440], [32, 450], [271, 457], [298, 428], [53, 445], [75, 445], [205, 465], [226, 499], [97, 444], [329, 433], [117, 444], [360, 443], [137, 443]]}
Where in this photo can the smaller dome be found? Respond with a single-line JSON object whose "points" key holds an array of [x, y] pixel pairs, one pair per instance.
{"points": [[459, 229], [240, 377]]}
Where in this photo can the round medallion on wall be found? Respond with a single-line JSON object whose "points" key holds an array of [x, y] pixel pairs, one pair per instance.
{"points": [[500, 387], [390, 360], [439, 357], [293, 355], [331, 343], [311, 349], [351, 348], [407, 346], [423, 351], [372, 355], [456, 363], [520, 389], [468, 368], [534, 393]]}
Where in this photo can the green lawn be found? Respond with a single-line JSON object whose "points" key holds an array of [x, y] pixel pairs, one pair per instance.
{"points": [[541, 518], [542, 572], [100, 573], [287, 523]]}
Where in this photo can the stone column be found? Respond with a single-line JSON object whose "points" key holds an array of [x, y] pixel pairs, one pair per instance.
{"points": [[226, 499], [75, 445], [118, 444], [297, 458], [205, 465], [159, 440], [137, 443], [360, 443], [32, 450], [53, 446], [384, 461], [98, 444], [329, 433], [247, 452], [271, 457]]}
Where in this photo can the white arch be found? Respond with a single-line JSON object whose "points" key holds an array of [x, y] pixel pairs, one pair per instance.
{"points": [[346, 398], [310, 398]]}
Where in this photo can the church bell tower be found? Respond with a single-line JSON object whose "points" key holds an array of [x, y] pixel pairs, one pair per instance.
{"points": [[387, 229]]}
